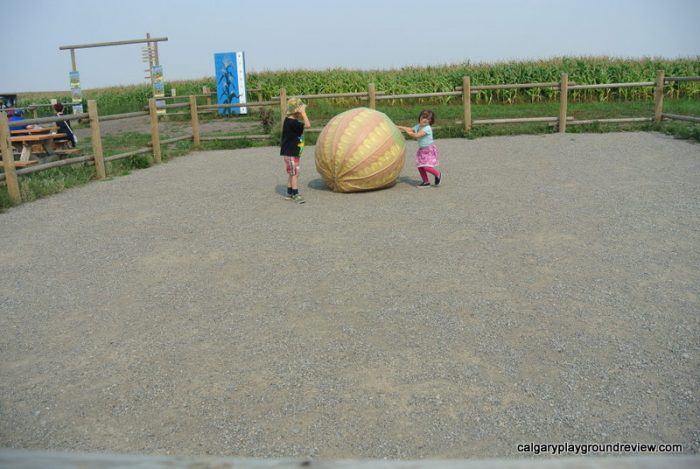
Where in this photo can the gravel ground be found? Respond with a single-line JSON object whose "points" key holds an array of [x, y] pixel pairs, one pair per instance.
{"points": [[547, 292]]}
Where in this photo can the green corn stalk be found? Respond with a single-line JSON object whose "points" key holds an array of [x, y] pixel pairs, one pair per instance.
{"points": [[229, 89]]}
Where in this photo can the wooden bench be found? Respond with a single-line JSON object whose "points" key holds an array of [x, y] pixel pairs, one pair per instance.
{"points": [[62, 143]]}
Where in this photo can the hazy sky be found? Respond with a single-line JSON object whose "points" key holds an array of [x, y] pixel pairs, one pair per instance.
{"points": [[321, 34]]}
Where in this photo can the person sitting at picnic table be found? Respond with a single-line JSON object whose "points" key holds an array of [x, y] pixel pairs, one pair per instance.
{"points": [[64, 126], [14, 115]]}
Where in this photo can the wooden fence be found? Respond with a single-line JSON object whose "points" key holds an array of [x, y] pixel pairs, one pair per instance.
{"points": [[371, 96]]}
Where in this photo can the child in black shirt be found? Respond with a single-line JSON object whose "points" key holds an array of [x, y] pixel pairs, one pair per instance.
{"points": [[293, 144]]}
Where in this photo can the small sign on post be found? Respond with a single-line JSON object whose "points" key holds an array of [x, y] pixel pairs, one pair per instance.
{"points": [[75, 92], [158, 88]]}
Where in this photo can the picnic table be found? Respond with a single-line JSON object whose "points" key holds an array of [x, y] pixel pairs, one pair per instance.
{"points": [[26, 141]]}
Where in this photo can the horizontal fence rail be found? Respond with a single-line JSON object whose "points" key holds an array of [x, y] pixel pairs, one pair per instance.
{"points": [[683, 78], [127, 115], [515, 120], [612, 85], [620, 120], [420, 95], [681, 118], [330, 95], [9, 177], [553, 84], [209, 107]]}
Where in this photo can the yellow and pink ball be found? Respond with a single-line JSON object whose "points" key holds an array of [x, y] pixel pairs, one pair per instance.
{"points": [[360, 150]]}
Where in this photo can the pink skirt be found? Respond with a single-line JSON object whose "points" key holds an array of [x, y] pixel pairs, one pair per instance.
{"points": [[427, 156]]}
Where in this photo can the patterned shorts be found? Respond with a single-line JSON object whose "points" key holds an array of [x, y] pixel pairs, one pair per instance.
{"points": [[292, 164]]}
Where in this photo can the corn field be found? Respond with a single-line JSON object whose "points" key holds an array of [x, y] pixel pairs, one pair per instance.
{"points": [[410, 80]]}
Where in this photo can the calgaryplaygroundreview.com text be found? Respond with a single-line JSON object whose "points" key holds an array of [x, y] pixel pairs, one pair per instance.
{"points": [[586, 448]]}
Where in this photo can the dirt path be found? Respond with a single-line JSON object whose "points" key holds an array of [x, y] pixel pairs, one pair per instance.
{"points": [[168, 128], [547, 292]]}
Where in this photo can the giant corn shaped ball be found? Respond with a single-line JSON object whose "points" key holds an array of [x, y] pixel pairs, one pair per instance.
{"points": [[360, 150]]}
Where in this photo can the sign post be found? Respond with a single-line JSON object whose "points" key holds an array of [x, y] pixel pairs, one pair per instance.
{"points": [[150, 55]]}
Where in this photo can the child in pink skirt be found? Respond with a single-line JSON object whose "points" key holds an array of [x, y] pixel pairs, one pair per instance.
{"points": [[427, 156]]}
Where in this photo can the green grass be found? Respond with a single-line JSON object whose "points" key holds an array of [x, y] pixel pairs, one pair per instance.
{"points": [[685, 130], [51, 181]]}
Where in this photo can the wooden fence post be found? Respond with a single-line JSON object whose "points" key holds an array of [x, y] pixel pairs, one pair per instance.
{"points": [[195, 120], [467, 102], [8, 160], [155, 132], [96, 139], [563, 100], [659, 96], [372, 96], [257, 91], [205, 91], [283, 106]]}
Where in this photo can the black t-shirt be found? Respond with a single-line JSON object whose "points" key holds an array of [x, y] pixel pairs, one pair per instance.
{"points": [[292, 137], [65, 128]]}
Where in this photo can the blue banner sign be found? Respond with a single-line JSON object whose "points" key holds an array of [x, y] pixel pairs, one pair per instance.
{"points": [[230, 81]]}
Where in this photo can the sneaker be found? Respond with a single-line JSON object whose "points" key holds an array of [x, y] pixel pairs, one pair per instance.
{"points": [[424, 184], [438, 179], [298, 199]]}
